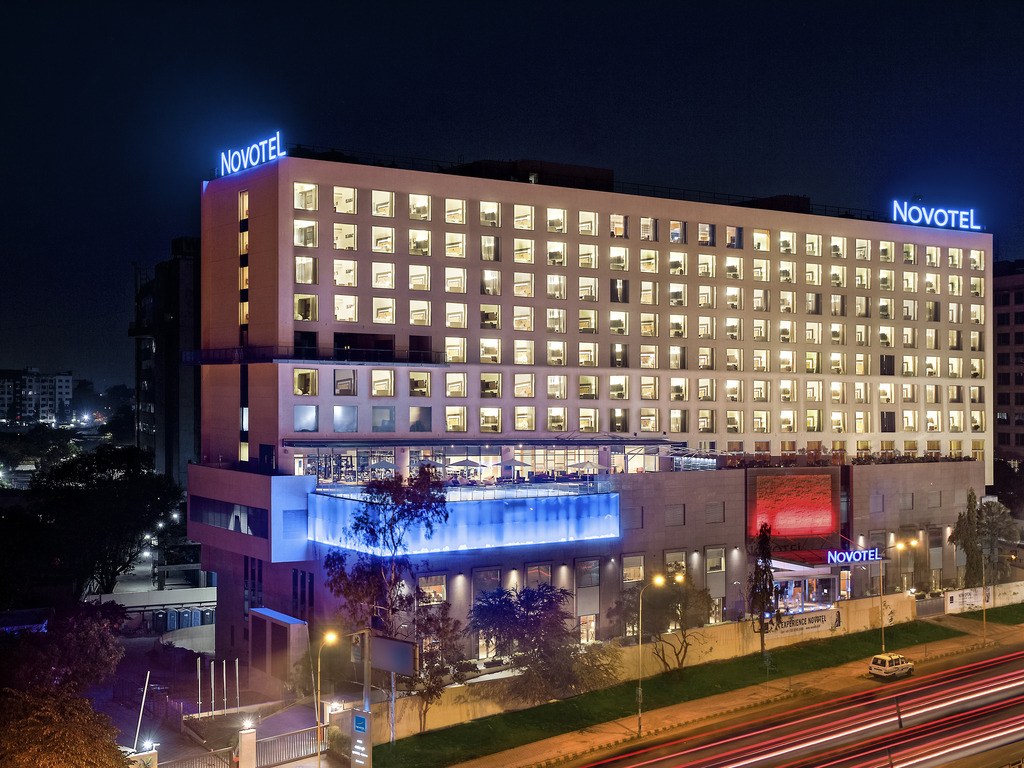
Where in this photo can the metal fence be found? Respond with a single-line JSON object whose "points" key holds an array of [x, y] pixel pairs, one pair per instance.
{"points": [[286, 747], [215, 759]]}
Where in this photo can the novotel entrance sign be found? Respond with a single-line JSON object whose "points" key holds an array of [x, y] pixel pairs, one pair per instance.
{"points": [[260, 152], [860, 556], [904, 212]]}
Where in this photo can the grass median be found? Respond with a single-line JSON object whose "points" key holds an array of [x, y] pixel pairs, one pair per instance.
{"points": [[1006, 614], [487, 736]]}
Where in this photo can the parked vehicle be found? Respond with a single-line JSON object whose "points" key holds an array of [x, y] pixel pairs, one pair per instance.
{"points": [[891, 665]]}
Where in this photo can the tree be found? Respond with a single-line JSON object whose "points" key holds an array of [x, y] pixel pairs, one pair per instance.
{"points": [[442, 659], [78, 650], [762, 596], [51, 728], [671, 614], [532, 631], [98, 508], [997, 531], [374, 587], [965, 536]]}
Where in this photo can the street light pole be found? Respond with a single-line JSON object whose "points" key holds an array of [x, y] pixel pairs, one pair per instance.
{"points": [[656, 581], [329, 639]]}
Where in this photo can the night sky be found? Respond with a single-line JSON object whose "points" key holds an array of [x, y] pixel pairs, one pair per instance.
{"points": [[115, 113]]}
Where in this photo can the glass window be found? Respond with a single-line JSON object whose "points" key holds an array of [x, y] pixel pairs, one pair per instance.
{"points": [[419, 383], [344, 237], [523, 385], [305, 196], [383, 274], [344, 382], [419, 207], [344, 200], [455, 245], [556, 220], [305, 270], [305, 307], [383, 203], [490, 350], [346, 418], [523, 251], [432, 590], [346, 308], [588, 223], [419, 312], [305, 233], [632, 568], [618, 223], [490, 214], [419, 242], [419, 278], [306, 418], [490, 419], [524, 418], [455, 384], [455, 349], [587, 256], [556, 286], [522, 217], [454, 211], [556, 254], [455, 418], [383, 239]]}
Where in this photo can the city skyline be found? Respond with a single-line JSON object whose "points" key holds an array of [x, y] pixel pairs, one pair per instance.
{"points": [[123, 114]]}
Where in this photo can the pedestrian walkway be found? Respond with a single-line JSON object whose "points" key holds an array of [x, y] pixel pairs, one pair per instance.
{"points": [[574, 747]]}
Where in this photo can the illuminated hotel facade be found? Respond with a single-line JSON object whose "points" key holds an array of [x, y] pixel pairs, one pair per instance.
{"points": [[357, 316]]}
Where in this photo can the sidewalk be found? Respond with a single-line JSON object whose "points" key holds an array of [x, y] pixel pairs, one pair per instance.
{"points": [[845, 679]]}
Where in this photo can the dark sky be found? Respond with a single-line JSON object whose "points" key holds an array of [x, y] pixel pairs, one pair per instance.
{"points": [[116, 112]]}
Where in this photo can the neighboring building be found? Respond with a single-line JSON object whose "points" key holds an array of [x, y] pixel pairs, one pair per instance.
{"points": [[30, 397], [167, 391], [357, 315], [1008, 307]]}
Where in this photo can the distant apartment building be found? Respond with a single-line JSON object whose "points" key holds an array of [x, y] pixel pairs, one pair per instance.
{"points": [[711, 365], [1008, 308], [166, 325], [29, 396]]}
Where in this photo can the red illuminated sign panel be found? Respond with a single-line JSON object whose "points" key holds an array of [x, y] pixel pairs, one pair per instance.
{"points": [[795, 505]]}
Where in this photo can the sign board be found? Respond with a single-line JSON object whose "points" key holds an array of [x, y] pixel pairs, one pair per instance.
{"points": [[856, 556], [358, 725], [257, 153], [394, 656], [805, 622], [904, 212]]}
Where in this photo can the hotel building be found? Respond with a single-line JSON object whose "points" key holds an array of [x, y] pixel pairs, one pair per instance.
{"points": [[520, 320]]}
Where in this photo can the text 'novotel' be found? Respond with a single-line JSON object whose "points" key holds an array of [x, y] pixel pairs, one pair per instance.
{"points": [[260, 152], [860, 556], [904, 212]]}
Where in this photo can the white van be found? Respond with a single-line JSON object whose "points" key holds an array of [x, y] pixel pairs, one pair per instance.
{"points": [[891, 665]]}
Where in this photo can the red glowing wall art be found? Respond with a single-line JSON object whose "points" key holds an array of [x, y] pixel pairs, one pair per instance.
{"points": [[795, 505]]}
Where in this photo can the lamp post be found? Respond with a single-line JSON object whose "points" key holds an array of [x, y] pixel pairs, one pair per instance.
{"points": [[656, 581], [899, 547], [329, 639]]}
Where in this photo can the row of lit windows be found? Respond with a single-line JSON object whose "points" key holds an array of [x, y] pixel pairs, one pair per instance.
{"points": [[306, 307], [494, 419], [556, 254], [383, 383], [556, 220], [383, 276]]}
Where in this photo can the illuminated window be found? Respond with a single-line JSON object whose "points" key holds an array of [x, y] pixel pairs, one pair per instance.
{"points": [[522, 217], [648, 261], [454, 211], [705, 234], [455, 418], [523, 385], [344, 237], [677, 263], [383, 239], [346, 418], [419, 278], [419, 383], [555, 321], [556, 220], [589, 421], [490, 419], [346, 308], [648, 387], [419, 312], [383, 203], [305, 196], [306, 418], [490, 282], [618, 225], [587, 353], [523, 251], [382, 383], [522, 351], [525, 419], [490, 385], [383, 310], [588, 289], [305, 271], [557, 387], [556, 286], [454, 349], [618, 322], [812, 245], [556, 353], [419, 207], [305, 307], [419, 242], [489, 248], [618, 258], [344, 200], [455, 384], [305, 381], [556, 254], [490, 350], [490, 214], [432, 590], [455, 315], [305, 233], [733, 237]]}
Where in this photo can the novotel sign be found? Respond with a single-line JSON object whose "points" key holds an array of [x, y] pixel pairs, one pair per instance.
{"points": [[235, 160], [860, 556], [904, 212]]}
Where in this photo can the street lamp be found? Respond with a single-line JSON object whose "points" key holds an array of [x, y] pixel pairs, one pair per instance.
{"points": [[329, 639], [656, 581], [898, 546]]}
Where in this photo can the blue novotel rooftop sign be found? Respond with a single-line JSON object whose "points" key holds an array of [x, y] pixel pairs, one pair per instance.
{"points": [[904, 212], [860, 556], [234, 160]]}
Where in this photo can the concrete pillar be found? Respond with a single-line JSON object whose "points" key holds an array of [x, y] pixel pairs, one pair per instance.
{"points": [[247, 748]]}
